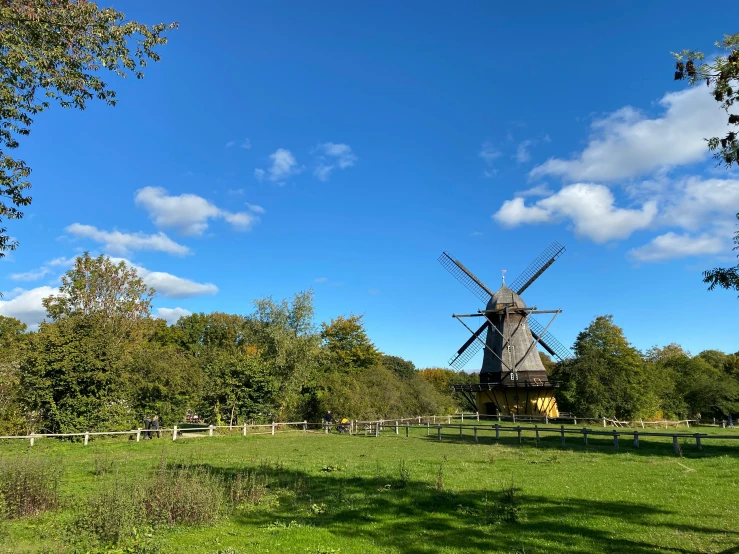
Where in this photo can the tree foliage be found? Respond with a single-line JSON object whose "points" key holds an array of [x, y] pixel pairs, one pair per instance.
{"points": [[722, 78], [97, 287], [55, 51], [346, 340]]}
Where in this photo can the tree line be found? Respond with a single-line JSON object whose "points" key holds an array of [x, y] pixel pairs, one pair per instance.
{"points": [[101, 362]]}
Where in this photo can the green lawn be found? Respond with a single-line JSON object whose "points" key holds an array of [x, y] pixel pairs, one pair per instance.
{"points": [[342, 494]]}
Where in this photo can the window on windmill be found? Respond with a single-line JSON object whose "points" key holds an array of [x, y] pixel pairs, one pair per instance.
{"points": [[511, 348]]}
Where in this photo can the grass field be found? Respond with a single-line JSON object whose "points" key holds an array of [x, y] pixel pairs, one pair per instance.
{"points": [[321, 493]]}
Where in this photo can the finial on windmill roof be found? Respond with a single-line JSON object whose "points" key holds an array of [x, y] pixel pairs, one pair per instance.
{"points": [[503, 275]]}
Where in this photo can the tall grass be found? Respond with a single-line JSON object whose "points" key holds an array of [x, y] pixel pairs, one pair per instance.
{"points": [[28, 486]]}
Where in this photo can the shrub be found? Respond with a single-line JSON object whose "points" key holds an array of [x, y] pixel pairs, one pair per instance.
{"points": [[28, 486], [184, 495], [113, 512]]}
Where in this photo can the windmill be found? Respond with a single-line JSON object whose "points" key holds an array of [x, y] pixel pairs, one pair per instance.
{"points": [[512, 379]]}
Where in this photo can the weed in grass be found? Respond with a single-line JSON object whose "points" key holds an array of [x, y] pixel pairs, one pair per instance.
{"points": [[102, 464], [247, 488], [440, 478], [329, 469], [510, 505], [184, 495], [28, 486], [112, 513], [318, 509], [405, 475]]}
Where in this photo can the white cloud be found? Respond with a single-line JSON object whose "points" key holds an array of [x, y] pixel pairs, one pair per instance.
{"points": [[168, 285], [321, 280], [255, 208], [538, 190], [33, 275], [283, 166], [26, 305], [230, 143], [235, 192], [589, 207], [246, 144], [172, 315], [333, 155], [672, 245], [489, 154], [693, 203], [62, 261], [188, 213], [116, 242], [627, 143], [522, 152]]}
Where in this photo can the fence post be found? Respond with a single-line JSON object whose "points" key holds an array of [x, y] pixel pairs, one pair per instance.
{"points": [[514, 417], [210, 430], [87, 437], [519, 434], [478, 415], [498, 416], [636, 438], [675, 445], [377, 429], [460, 431], [273, 428], [546, 419], [475, 433], [698, 441], [396, 427], [406, 430], [428, 428], [305, 425], [497, 430], [536, 428], [462, 416], [138, 434], [585, 435], [449, 420], [32, 437], [575, 421], [615, 440], [438, 429], [604, 422], [434, 420], [174, 433], [244, 429], [562, 431]]}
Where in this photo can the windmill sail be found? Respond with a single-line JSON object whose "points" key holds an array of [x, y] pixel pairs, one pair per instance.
{"points": [[465, 276], [470, 348], [537, 267], [547, 340]]}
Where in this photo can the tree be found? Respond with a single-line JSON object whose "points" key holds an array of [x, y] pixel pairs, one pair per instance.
{"points": [[607, 377], [98, 287], [346, 340], [402, 368], [721, 76], [54, 50], [12, 340]]}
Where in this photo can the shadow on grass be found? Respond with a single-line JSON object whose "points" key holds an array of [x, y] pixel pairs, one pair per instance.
{"points": [[414, 517], [648, 446]]}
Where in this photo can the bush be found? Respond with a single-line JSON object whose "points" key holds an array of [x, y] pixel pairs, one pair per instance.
{"points": [[28, 486], [114, 511]]}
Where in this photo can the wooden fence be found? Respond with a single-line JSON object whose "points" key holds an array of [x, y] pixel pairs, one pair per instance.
{"points": [[373, 428]]}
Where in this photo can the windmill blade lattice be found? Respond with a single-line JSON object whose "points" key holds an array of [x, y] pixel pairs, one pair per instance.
{"points": [[537, 267], [547, 340], [470, 348], [465, 276]]}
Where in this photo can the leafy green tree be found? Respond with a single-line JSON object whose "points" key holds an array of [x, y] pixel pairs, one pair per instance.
{"points": [[73, 376], [12, 341], [721, 76], [547, 362], [607, 377], [163, 380], [402, 368], [54, 51], [346, 340], [97, 287]]}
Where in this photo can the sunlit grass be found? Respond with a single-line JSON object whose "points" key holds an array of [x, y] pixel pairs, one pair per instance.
{"points": [[330, 493]]}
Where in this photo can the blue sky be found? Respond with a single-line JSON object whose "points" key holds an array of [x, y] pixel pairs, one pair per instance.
{"points": [[341, 147]]}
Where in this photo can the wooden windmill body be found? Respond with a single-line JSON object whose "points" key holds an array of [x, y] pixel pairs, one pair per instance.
{"points": [[512, 378]]}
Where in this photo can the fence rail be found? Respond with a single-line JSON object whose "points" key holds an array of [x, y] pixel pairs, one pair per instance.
{"points": [[439, 423]]}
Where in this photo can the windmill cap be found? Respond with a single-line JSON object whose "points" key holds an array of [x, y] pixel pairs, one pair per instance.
{"points": [[505, 297]]}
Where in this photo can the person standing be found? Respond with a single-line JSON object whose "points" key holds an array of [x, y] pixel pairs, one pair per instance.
{"points": [[155, 426], [731, 422], [147, 426], [328, 420]]}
